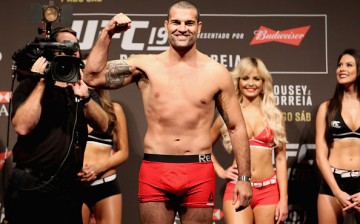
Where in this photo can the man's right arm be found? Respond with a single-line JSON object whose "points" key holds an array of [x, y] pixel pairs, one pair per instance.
{"points": [[27, 115], [98, 71], [27, 110]]}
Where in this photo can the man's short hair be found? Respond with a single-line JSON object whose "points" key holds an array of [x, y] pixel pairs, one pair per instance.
{"points": [[184, 5], [55, 32]]}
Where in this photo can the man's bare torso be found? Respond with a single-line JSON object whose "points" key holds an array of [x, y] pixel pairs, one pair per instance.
{"points": [[179, 104]]}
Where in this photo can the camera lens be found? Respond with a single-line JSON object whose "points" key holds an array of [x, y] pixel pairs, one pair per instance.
{"points": [[63, 68]]}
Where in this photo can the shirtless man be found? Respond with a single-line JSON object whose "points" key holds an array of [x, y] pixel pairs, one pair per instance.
{"points": [[180, 88]]}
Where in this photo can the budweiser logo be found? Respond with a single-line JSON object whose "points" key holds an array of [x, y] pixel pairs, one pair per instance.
{"points": [[3, 156], [4, 97], [290, 36], [217, 214]]}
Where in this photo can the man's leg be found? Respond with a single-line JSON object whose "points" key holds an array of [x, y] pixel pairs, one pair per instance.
{"points": [[196, 215], [156, 213]]}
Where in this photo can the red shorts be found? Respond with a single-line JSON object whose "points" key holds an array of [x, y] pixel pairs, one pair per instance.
{"points": [[188, 184], [267, 195]]}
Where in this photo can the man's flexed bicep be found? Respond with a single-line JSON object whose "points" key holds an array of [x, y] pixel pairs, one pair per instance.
{"points": [[119, 73]]}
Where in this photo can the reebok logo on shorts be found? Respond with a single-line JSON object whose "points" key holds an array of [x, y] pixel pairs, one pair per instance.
{"points": [[210, 200]]}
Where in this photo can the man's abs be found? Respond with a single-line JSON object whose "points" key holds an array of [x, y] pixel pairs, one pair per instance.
{"points": [[177, 144]]}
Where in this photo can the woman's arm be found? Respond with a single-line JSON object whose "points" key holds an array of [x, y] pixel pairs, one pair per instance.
{"points": [[281, 212], [322, 153], [122, 145], [231, 172]]}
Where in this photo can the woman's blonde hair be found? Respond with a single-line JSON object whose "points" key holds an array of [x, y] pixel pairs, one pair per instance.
{"points": [[273, 117]]}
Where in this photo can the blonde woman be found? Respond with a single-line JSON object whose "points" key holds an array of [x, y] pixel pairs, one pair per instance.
{"points": [[266, 133]]}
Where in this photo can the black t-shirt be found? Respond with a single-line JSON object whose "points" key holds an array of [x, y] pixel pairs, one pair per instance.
{"points": [[62, 125]]}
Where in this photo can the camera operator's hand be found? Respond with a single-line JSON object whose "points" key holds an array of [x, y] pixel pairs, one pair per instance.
{"points": [[119, 23], [80, 89], [39, 65]]}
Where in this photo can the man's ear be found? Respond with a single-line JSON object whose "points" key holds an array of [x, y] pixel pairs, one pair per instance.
{"points": [[199, 26], [166, 22]]}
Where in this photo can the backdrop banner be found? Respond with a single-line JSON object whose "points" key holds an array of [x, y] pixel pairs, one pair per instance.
{"points": [[299, 42]]}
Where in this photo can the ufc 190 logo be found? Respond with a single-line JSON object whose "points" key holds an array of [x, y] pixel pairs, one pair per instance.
{"points": [[155, 37]]}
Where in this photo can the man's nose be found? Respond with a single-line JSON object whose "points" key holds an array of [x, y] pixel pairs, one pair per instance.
{"points": [[182, 27]]}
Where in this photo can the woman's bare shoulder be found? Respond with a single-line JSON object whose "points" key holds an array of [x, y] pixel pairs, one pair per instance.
{"points": [[117, 107]]}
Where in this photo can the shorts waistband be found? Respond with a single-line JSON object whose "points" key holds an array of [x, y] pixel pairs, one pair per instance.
{"points": [[264, 183], [204, 158], [346, 173], [104, 180], [260, 184]]}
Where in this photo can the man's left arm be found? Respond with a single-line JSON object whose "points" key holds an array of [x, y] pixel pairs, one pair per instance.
{"points": [[229, 108]]}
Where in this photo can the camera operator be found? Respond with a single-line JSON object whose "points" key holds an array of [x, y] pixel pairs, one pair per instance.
{"points": [[50, 118]]}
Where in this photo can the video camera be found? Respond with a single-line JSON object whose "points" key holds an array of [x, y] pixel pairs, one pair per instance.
{"points": [[64, 67]]}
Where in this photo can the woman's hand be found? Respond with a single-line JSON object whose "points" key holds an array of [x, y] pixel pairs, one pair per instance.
{"points": [[281, 212], [355, 203], [343, 199], [88, 173], [231, 173]]}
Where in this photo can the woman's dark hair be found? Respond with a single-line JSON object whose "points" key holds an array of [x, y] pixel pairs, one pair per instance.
{"points": [[335, 102]]}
